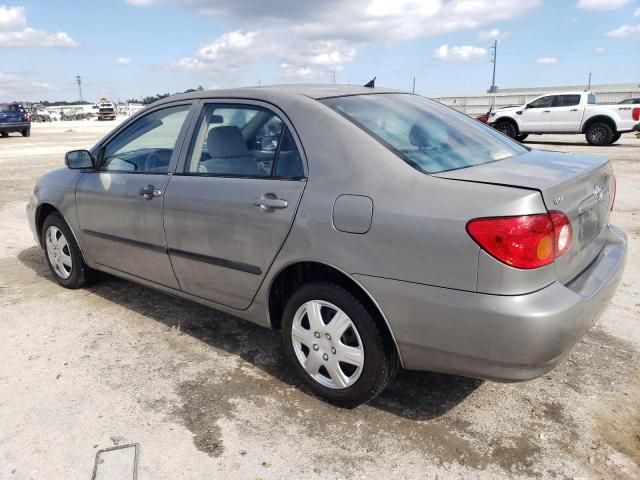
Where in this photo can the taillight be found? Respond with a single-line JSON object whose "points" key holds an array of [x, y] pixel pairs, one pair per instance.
{"points": [[635, 114], [528, 241]]}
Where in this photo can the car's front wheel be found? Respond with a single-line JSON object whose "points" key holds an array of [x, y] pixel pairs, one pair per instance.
{"points": [[335, 345], [599, 134], [507, 127], [521, 137], [62, 253]]}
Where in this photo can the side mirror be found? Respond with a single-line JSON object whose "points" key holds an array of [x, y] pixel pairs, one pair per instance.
{"points": [[79, 159]]}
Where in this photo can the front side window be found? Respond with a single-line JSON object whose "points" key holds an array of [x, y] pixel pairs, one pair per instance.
{"points": [[242, 141], [427, 135], [567, 100], [543, 102], [147, 144]]}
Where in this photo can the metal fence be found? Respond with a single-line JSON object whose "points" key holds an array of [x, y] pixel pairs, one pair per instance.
{"points": [[478, 104]]}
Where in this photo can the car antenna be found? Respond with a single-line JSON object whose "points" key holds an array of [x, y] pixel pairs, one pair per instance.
{"points": [[371, 83]]}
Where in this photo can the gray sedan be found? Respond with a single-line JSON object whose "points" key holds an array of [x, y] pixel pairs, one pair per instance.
{"points": [[376, 229]]}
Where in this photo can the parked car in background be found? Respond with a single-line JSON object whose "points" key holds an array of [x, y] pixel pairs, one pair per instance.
{"points": [[630, 101], [373, 228], [567, 113], [106, 109], [484, 118], [14, 119]]}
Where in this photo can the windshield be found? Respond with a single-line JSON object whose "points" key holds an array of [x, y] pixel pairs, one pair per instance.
{"points": [[427, 135]]}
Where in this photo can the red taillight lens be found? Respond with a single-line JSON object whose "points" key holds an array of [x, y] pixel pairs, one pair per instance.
{"points": [[562, 232], [529, 241], [635, 114]]}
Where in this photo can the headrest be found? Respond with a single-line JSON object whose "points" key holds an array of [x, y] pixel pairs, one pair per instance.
{"points": [[226, 141]]}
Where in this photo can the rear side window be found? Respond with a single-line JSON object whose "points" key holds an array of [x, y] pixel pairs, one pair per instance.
{"points": [[243, 141], [591, 100], [427, 135], [567, 100]]}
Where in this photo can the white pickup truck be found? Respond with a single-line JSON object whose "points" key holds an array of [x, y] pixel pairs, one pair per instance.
{"points": [[570, 112]]}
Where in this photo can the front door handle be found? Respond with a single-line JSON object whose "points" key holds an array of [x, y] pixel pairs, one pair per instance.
{"points": [[546, 111], [269, 202], [573, 110], [149, 192]]}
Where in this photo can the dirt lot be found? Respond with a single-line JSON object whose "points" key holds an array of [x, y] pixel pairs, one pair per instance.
{"points": [[209, 396]]}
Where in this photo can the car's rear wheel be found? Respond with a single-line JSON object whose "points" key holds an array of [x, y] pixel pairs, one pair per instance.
{"points": [[334, 344], [599, 134], [4, 134], [615, 138], [521, 137], [26, 132], [508, 128], [62, 253]]}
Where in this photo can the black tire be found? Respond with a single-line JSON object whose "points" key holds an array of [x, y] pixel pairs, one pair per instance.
{"points": [[26, 132], [507, 127], [521, 137], [380, 360], [615, 138], [79, 271], [599, 133], [4, 134]]}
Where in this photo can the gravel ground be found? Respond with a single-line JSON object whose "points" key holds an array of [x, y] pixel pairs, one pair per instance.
{"points": [[209, 396]]}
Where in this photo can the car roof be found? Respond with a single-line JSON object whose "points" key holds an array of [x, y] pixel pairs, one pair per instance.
{"points": [[282, 92]]}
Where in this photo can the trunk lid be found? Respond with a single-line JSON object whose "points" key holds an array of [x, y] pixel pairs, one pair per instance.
{"points": [[580, 186]]}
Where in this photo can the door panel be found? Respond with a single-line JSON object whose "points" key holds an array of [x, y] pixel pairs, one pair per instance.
{"points": [[120, 206], [566, 114], [122, 229], [220, 242], [537, 117]]}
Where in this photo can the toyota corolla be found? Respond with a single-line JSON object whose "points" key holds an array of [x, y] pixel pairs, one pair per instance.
{"points": [[375, 229]]}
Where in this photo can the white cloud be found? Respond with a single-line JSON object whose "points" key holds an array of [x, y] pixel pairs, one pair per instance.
{"points": [[600, 50], [296, 73], [625, 31], [637, 12], [17, 87], [329, 34], [14, 32], [601, 4], [30, 37], [12, 18], [123, 61], [459, 54], [493, 34], [547, 60]]}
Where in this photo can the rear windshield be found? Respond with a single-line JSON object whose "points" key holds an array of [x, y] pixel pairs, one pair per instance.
{"points": [[427, 135], [8, 108]]}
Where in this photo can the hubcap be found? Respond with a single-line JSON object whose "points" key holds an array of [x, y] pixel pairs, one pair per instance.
{"points": [[327, 344], [58, 252], [598, 134]]}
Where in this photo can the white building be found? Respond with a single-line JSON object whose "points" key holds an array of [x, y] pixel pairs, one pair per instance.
{"points": [[478, 104]]}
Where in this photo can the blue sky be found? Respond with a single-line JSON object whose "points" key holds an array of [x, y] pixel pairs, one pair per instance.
{"points": [[132, 48]]}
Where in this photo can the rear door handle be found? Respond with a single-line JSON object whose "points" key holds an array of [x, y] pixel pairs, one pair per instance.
{"points": [[546, 111], [573, 110], [149, 192], [269, 202]]}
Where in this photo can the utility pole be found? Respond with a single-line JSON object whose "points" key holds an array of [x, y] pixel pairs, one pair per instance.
{"points": [[333, 74], [413, 90], [589, 83], [494, 57], [79, 80]]}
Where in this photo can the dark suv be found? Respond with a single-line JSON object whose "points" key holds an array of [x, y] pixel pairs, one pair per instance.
{"points": [[14, 118]]}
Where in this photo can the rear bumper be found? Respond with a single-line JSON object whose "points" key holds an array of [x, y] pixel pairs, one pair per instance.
{"points": [[505, 338], [14, 127]]}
